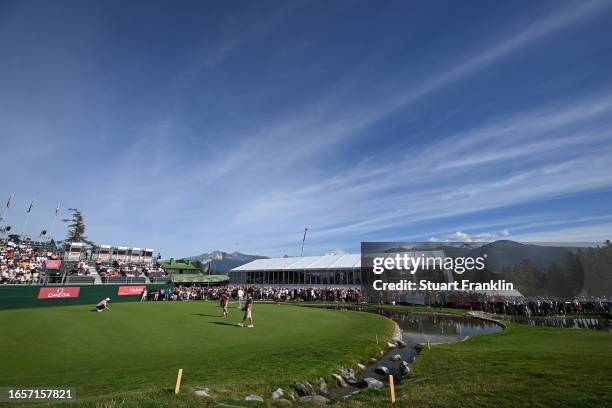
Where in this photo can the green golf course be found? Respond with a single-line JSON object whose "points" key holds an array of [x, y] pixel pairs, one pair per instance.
{"points": [[129, 357], [133, 352]]}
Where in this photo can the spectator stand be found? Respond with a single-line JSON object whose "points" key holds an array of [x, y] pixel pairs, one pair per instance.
{"points": [[23, 261]]}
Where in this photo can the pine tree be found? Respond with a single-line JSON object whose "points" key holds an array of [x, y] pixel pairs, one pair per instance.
{"points": [[76, 228]]}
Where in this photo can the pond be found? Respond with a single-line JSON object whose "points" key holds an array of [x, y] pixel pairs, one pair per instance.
{"points": [[420, 328], [428, 328]]}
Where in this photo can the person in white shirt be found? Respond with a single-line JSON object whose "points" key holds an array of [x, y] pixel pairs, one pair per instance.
{"points": [[240, 297], [103, 305]]}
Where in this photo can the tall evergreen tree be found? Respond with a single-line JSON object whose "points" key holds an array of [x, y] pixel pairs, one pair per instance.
{"points": [[76, 228]]}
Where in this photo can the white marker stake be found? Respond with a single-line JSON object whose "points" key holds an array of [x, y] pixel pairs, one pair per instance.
{"points": [[178, 381]]}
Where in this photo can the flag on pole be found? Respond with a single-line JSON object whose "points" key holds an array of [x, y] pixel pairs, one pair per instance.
{"points": [[8, 203], [57, 210], [30, 207]]}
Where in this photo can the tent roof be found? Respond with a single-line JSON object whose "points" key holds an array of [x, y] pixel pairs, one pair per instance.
{"points": [[344, 261]]}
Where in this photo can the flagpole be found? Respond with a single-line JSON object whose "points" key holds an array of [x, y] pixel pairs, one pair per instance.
{"points": [[5, 211], [303, 240], [27, 219], [49, 236]]}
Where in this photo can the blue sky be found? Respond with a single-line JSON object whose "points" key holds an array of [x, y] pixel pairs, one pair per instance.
{"points": [[192, 126]]}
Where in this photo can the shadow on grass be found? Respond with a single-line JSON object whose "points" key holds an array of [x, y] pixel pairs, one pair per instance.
{"points": [[225, 324], [204, 315]]}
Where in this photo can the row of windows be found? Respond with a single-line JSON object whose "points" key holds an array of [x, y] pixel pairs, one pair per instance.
{"points": [[335, 277]]}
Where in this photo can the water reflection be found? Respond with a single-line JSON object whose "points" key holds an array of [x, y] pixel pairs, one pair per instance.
{"points": [[456, 326], [592, 323]]}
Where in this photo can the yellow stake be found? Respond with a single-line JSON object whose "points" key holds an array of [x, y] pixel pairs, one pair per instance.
{"points": [[178, 381], [392, 389]]}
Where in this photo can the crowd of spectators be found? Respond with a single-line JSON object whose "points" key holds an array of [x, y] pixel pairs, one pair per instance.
{"points": [[154, 271], [508, 305], [271, 294], [21, 262], [80, 269], [544, 306], [519, 306], [127, 269]]}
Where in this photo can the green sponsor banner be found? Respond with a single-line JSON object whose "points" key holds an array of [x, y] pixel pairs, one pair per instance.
{"points": [[22, 296]]}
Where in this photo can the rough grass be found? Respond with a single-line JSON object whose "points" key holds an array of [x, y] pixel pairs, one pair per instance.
{"points": [[522, 366], [130, 355]]}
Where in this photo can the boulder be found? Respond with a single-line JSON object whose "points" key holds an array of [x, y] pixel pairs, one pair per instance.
{"points": [[373, 360], [370, 382], [396, 357], [314, 399], [361, 366], [391, 345], [401, 343], [253, 397], [277, 394], [339, 380], [382, 370], [404, 369], [303, 388], [348, 374], [202, 392], [322, 385]]}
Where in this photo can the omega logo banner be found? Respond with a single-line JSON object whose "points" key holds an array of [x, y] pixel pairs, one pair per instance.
{"points": [[130, 290], [59, 293]]}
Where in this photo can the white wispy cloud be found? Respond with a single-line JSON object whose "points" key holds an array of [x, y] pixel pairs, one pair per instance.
{"points": [[279, 175]]}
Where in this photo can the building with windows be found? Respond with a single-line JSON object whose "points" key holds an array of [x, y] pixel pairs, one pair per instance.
{"points": [[326, 270]]}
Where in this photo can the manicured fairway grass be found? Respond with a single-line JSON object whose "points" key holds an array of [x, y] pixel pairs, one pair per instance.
{"points": [[522, 366], [134, 351]]}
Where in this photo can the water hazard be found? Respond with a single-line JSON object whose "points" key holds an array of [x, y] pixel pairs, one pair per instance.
{"points": [[431, 328], [420, 328]]}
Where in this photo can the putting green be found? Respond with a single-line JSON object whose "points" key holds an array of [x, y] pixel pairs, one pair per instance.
{"points": [[138, 347]]}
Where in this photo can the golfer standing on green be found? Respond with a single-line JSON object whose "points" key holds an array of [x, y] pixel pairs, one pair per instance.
{"points": [[248, 312]]}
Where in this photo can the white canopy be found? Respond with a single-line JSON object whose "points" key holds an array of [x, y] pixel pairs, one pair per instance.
{"points": [[344, 261]]}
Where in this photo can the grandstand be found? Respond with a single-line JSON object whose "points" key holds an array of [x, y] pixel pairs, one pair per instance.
{"points": [[23, 261]]}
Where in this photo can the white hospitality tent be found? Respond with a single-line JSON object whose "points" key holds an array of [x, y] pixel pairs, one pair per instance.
{"points": [[325, 270]]}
